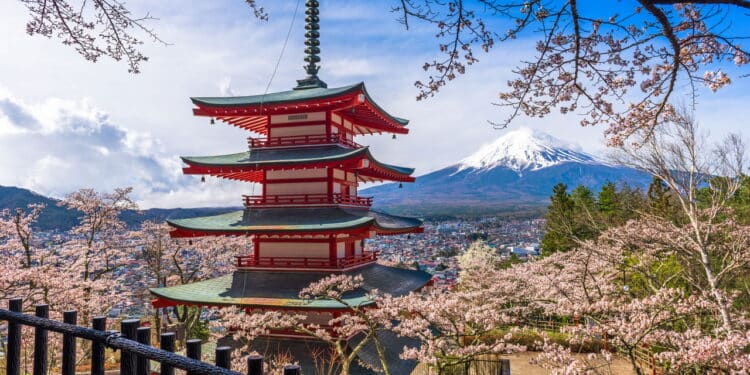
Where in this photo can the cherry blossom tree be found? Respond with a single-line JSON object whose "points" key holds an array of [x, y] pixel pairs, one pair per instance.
{"points": [[620, 66], [621, 287], [704, 179], [454, 328], [99, 28], [75, 271], [170, 262], [22, 255]]}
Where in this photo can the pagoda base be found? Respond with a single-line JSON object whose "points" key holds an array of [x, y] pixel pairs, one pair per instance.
{"points": [[312, 354]]}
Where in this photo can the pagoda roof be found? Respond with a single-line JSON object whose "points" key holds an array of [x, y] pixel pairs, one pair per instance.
{"points": [[288, 220], [280, 289], [249, 112], [234, 165]]}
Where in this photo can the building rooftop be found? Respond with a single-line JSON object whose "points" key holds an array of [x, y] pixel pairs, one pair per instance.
{"points": [[291, 96], [290, 220], [281, 288], [258, 159]]}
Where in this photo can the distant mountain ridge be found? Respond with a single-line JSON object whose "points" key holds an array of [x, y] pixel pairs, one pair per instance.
{"points": [[515, 173], [59, 218]]}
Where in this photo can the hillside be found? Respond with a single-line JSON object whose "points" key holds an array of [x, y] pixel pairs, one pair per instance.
{"points": [[58, 218]]}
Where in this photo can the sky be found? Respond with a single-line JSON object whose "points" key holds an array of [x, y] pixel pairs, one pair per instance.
{"points": [[66, 123]]}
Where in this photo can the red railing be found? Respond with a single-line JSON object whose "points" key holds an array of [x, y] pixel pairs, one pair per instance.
{"points": [[301, 140], [249, 261], [294, 199]]}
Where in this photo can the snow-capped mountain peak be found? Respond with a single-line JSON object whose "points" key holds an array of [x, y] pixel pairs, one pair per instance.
{"points": [[525, 149]]}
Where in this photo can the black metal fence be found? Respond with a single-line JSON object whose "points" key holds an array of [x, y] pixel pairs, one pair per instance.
{"points": [[133, 342]]}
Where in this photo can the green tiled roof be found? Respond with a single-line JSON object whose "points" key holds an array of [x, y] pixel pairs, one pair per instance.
{"points": [[281, 289], [290, 96], [277, 97], [288, 156], [295, 219]]}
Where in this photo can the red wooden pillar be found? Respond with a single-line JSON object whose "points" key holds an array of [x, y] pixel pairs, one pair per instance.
{"points": [[329, 181], [329, 124], [263, 184], [256, 248]]}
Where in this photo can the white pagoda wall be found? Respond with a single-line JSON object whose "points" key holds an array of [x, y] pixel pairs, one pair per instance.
{"points": [[297, 188], [293, 249], [296, 173], [288, 131]]}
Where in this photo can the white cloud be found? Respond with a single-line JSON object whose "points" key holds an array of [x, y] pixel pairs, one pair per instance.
{"points": [[66, 145]]}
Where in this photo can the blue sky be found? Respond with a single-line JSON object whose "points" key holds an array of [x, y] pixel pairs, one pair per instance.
{"points": [[66, 123]]}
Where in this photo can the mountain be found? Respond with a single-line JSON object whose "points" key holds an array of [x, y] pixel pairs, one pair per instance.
{"points": [[59, 218], [514, 174]]}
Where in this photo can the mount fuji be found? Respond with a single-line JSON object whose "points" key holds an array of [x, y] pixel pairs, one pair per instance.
{"points": [[515, 173]]}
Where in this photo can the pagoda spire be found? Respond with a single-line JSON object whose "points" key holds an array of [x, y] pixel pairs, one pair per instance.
{"points": [[313, 50]]}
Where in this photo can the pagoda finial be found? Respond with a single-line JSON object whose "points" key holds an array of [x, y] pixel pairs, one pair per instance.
{"points": [[312, 42]]}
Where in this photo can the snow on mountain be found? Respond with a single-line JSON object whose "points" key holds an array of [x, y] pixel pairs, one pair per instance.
{"points": [[525, 149]]}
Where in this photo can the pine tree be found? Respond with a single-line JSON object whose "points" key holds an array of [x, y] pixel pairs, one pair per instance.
{"points": [[559, 223], [609, 205], [586, 218]]}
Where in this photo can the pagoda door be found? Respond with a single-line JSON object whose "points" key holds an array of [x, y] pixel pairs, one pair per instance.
{"points": [[349, 249]]}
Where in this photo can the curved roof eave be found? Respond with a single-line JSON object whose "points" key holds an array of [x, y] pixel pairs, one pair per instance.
{"points": [[399, 120], [235, 160], [293, 96], [290, 96]]}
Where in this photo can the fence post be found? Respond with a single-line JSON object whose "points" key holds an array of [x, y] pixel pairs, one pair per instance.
{"points": [[167, 343], [129, 330], [224, 357], [292, 370], [193, 350], [143, 364], [505, 367], [40, 342], [13, 360], [255, 365], [69, 345], [99, 323]]}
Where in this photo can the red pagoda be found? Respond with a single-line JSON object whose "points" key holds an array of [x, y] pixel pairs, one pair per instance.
{"points": [[309, 221]]}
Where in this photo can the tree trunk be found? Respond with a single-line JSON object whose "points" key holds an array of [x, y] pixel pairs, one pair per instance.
{"points": [[716, 291]]}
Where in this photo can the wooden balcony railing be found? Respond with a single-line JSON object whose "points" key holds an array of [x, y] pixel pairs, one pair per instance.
{"points": [[249, 261], [301, 140], [304, 199]]}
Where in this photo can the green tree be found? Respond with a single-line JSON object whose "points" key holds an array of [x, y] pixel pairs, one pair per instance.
{"points": [[740, 202], [609, 205], [585, 214], [558, 234]]}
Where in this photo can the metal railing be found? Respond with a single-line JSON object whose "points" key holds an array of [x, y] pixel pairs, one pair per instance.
{"points": [[249, 261], [133, 342], [303, 199], [301, 140]]}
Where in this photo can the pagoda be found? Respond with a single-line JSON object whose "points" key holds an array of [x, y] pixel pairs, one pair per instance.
{"points": [[309, 220]]}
